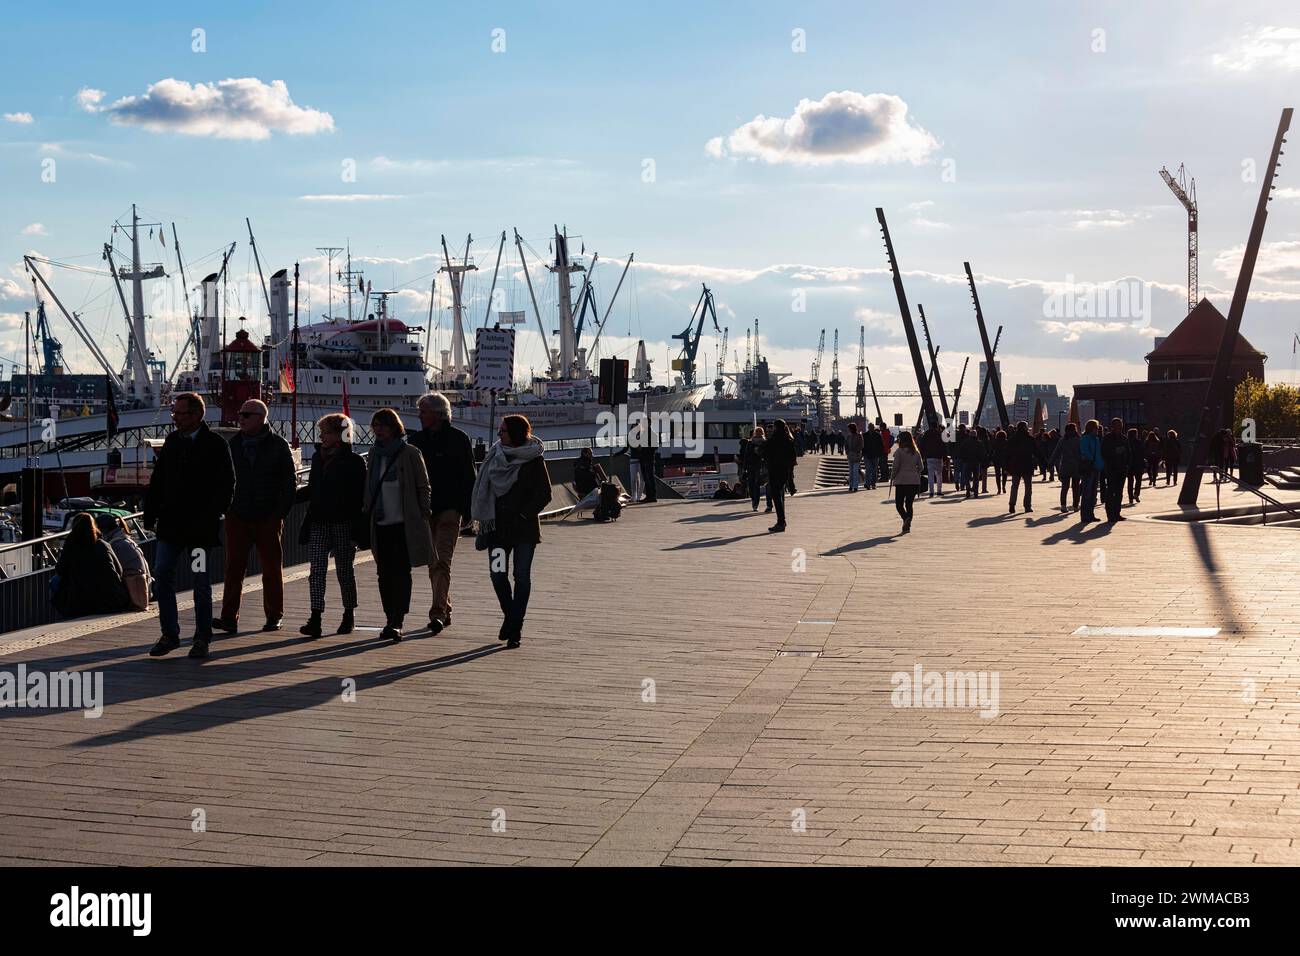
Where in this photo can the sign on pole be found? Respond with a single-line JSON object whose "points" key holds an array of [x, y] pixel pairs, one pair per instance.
{"points": [[511, 318], [494, 358]]}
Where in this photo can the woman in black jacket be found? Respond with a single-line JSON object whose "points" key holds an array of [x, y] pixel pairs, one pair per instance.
{"points": [[780, 457], [335, 490], [512, 489], [88, 574]]}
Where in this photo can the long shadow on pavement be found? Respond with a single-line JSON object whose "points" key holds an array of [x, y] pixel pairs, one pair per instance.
{"points": [[715, 542], [860, 545]]}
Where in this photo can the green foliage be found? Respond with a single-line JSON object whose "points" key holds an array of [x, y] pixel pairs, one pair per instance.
{"points": [[1275, 408]]}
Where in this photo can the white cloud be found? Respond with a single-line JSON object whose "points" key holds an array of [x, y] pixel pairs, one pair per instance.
{"points": [[349, 197], [1263, 48], [35, 229], [89, 99], [1074, 331], [1288, 192], [23, 118], [1277, 262], [243, 108], [843, 126], [930, 223]]}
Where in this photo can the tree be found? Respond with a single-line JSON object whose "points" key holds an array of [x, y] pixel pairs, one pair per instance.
{"points": [[1275, 408]]}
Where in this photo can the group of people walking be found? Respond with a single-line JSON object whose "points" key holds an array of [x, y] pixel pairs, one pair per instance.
{"points": [[408, 504]]}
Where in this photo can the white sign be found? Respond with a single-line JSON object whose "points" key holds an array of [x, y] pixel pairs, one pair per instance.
{"points": [[494, 358], [511, 318]]}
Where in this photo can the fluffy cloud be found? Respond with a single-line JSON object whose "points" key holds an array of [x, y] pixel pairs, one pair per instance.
{"points": [[842, 126], [22, 118], [1277, 262], [35, 229], [244, 108], [89, 99], [1265, 48]]}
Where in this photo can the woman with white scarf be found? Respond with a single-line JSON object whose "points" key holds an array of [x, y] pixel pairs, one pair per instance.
{"points": [[512, 488]]}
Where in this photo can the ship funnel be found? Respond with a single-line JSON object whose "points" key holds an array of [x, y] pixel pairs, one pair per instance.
{"points": [[641, 373], [279, 321], [210, 344]]}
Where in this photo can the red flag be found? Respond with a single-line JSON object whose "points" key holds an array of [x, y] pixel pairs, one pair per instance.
{"points": [[286, 378], [346, 410]]}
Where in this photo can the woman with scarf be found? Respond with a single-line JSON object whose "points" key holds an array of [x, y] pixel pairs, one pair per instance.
{"points": [[512, 488], [397, 505], [335, 490]]}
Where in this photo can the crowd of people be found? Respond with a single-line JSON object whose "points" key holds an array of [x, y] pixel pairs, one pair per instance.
{"points": [[408, 504]]}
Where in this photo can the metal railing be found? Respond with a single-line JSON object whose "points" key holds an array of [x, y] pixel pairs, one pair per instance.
{"points": [[1265, 498]]}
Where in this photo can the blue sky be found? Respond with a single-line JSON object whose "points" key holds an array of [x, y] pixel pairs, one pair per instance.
{"points": [[1034, 148]]}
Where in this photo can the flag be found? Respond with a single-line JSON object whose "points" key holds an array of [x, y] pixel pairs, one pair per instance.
{"points": [[111, 416], [346, 410], [286, 378]]}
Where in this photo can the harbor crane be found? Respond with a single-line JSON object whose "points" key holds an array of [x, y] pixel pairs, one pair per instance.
{"points": [[685, 363], [815, 378], [860, 391], [1184, 188], [835, 378], [720, 381]]}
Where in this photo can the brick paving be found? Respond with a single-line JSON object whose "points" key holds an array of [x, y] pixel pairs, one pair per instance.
{"points": [[745, 749]]}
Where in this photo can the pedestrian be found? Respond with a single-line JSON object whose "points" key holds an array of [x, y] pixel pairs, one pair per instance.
{"points": [[397, 508], [512, 489], [969, 453], [1151, 449], [873, 449], [887, 441], [135, 569], [754, 464], [1115, 455], [88, 576], [853, 445], [1065, 462], [336, 488], [449, 463], [986, 457], [587, 474], [778, 454], [1136, 464], [933, 448], [998, 454], [1171, 451], [191, 487], [907, 478], [1091, 467], [265, 487], [1023, 453]]}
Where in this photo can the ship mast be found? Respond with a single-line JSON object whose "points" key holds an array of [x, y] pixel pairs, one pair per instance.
{"points": [[562, 269], [141, 389], [457, 275]]}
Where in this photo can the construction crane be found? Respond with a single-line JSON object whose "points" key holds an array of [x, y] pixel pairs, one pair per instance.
{"points": [[685, 363], [860, 392], [815, 378], [835, 379], [1184, 187], [51, 348], [719, 382]]}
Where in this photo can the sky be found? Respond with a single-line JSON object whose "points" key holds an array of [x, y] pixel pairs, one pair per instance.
{"points": [[741, 145]]}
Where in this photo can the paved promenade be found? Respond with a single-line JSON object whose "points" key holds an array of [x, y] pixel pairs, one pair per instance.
{"points": [[767, 735]]}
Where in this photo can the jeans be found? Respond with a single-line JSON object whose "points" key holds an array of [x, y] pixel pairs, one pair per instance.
{"points": [[934, 471], [755, 487], [1028, 478], [1114, 494], [513, 605], [1088, 491], [975, 474], [166, 556], [777, 496], [1069, 482], [855, 470], [872, 471], [904, 496]]}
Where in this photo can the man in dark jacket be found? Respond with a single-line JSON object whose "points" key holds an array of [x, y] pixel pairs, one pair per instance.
{"points": [[1023, 453], [190, 489], [873, 449], [265, 485], [1114, 453], [449, 460]]}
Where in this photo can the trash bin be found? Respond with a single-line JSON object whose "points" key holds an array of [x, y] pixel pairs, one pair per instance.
{"points": [[1250, 463]]}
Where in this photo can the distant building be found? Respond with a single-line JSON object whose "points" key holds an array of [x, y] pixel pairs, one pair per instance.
{"points": [[988, 412], [1056, 407], [1178, 375]]}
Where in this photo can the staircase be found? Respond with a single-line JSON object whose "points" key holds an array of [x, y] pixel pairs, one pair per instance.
{"points": [[832, 472]]}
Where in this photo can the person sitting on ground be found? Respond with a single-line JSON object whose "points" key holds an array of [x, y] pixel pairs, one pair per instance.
{"points": [[88, 576], [587, 474], [135, 569]]}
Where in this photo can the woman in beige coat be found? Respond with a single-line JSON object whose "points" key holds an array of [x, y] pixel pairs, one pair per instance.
{"points": [[397, 506]]}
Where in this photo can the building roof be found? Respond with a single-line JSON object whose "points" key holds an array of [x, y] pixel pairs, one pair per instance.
{"points": [[1198, 337]]}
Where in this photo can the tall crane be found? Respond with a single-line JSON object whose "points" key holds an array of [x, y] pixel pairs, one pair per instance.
{"points": [[719, 382], [815, 378], [1184, 187], [860, 391], [51, 348], [685, 363], [835, 379]]}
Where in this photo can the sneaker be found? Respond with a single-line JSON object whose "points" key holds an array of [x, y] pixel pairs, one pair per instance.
{"points": [[272, 624], [777, 528], [164, 645], [225, 624], [199, 648]]}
